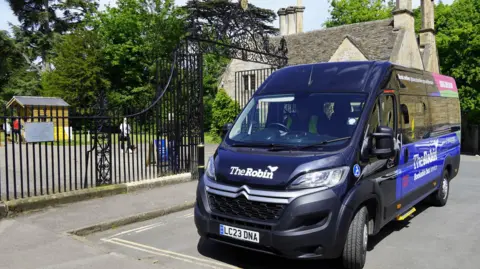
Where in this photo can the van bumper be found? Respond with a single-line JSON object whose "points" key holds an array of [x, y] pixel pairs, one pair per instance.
{"points": [[313, 226]]}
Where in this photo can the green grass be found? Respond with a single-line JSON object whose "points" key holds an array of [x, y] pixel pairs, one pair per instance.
{"points": [[212, 138], [82, 139]]}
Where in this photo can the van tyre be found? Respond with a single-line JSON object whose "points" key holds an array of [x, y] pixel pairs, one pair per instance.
{"points": [[440, 197], [355, 249]]}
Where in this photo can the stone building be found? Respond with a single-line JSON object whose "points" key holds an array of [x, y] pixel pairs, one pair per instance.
{"points": [[393, 39]]}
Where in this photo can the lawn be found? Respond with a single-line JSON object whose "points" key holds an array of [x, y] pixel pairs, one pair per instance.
{"points": [[82, 139]]}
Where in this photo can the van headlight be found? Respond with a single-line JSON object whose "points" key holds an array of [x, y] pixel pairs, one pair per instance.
{"points": [[210, 170], [325, 178]]}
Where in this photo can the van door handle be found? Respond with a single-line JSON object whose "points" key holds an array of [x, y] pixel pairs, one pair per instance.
{"points": [[405, 155]]}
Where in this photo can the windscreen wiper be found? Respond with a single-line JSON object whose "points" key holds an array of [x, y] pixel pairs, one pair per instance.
{"points": [[324, 143], [270, 146], [254, 145]]}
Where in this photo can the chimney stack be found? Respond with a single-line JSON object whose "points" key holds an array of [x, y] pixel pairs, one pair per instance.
{"points": [[282, 14], [292, 25], [403, 15], [404, 4], [427, 37], [299, 18]]}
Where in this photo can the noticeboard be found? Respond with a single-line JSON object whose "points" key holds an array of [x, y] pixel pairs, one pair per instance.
{"points": [[39, 132]]}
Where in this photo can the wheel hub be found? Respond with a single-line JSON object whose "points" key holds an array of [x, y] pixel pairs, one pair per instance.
{"points": [[365, 237], [444, 188]]}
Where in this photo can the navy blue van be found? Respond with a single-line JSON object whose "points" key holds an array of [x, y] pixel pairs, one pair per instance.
{"points": [[325, 155]]}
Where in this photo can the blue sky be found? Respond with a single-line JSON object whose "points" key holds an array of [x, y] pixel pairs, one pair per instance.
{"points": [[316, 11]]}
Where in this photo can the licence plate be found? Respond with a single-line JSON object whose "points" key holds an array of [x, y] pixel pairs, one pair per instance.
{"points": [[240, 234]]}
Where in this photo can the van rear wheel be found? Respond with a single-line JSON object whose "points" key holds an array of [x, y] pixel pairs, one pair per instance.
{"points": [[440, 197], [355, 249]]}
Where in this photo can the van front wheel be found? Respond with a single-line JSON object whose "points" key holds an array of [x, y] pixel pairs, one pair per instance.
{"points": [[355, 249]]}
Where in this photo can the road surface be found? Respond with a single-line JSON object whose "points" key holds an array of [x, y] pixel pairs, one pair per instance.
{"points": [[437, 238]]}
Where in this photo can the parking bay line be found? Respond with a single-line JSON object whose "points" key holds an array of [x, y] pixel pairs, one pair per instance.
{"points": [[169, 254], [159, 254], [138, 229]]}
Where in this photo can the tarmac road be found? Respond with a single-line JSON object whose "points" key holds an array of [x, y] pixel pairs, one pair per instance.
{"points": [[440, 238]]}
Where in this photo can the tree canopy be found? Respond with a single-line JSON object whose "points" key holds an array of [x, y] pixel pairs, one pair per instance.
{"points": [[458, 42], [41, 20], [354, 11]]}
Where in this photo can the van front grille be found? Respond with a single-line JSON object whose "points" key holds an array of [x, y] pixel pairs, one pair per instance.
{"points": [[241, 207]]}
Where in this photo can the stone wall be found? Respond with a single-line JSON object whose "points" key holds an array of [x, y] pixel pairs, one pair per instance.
{"points": [[406, 51], [347, 52], [228, 79]]}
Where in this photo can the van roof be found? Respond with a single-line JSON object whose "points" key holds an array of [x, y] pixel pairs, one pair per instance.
{"points": [[349, 77]]}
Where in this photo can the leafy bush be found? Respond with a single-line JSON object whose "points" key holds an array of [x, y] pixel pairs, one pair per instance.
{"points": [[224, 110], [207, 112], [473, 117]]}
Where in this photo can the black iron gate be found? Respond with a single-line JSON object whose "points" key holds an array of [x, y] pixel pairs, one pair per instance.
{"points": [[71, 149]]}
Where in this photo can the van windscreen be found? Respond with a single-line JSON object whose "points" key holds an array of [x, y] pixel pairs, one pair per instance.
{"points": [[298, 119]]}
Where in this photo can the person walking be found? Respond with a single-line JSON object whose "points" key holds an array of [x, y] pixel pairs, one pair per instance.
{"points": [[125, 131], [17, 130]]}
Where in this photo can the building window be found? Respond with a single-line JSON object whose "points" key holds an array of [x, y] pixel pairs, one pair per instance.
{"points": [[245, 82], [253, 83], [249, 82]]}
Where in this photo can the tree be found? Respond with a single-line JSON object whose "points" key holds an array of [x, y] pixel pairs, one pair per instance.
{"points": [[79, 73], [224, 111], [213, 67], [41, 20], [24, 81], [458, 42], [354, 11], [225, 22], [8, 58], [16, 75], [136, 33]]}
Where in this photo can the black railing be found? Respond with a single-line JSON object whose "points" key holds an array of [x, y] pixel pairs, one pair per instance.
{"points": [[61, 152], [59, 149]]}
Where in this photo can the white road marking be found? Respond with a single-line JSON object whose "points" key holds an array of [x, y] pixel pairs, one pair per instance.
{"points": [[170, 254], [146, 227], [160, 254], [186, 216]]}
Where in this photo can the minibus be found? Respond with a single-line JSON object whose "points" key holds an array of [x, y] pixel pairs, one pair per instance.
{"points": [[324, 155]]}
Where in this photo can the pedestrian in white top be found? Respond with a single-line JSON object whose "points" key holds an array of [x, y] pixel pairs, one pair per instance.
{"points": [[125, 135], [7, 128]]}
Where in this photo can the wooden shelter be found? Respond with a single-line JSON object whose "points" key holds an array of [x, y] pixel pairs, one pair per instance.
{"points": [[42, 109], [46, 109]]}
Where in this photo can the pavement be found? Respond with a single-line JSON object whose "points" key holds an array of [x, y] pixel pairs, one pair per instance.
{"points": [[434, 238]]}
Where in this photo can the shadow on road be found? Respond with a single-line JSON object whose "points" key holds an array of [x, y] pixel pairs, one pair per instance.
{"points": [[395, 226], [252, 260], [249, 259]]}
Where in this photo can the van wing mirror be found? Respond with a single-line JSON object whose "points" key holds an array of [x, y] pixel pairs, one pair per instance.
{"points": [[226, 128], [384, 142]]}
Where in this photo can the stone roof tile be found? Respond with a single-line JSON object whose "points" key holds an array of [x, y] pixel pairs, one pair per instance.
{"points": [[375, 38]]}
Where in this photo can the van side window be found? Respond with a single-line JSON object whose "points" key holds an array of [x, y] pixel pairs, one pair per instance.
{"points": [[374, 120], [415, 118], [445, 115], [387, 105], [383, 114]]}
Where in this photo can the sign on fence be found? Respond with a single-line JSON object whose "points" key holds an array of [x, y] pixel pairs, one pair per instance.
{"points": [[39, 132]]}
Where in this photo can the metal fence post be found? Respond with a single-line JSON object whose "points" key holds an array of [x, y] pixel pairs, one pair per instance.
{"points": [[476, 139], [201, 159]]}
